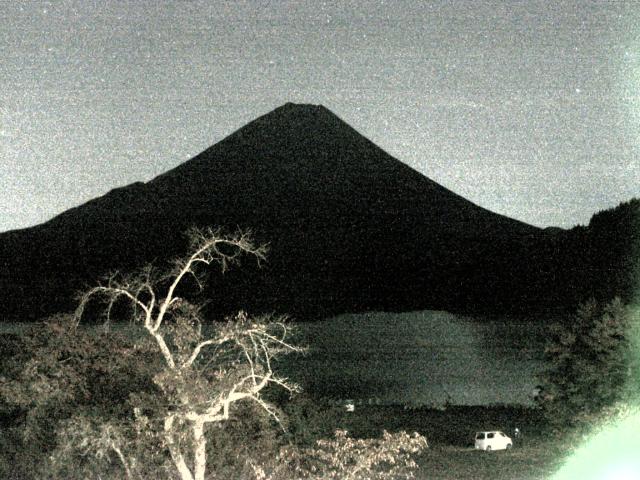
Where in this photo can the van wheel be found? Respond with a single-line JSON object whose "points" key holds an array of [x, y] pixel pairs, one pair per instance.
{"points": [[488, 449], [509, 446]]}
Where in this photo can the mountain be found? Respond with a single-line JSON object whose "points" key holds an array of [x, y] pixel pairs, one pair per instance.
{"points": [[350, 229]]}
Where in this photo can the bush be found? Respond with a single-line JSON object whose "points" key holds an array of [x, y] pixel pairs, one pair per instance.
{"points": [[62, 374], [306, 419], [343, 457]]}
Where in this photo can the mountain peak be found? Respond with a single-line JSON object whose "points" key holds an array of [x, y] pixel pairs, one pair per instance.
{"points": [[310, 107], [301, 111]]}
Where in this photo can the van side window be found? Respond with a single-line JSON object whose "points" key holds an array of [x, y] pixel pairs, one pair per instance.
{"points": [[490, 435], [480, 436]]}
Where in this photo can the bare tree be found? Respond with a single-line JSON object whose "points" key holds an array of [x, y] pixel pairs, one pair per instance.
{"points": [[206, 370]]}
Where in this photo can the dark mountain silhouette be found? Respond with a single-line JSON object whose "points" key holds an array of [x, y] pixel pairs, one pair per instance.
{"points": [[350, 229]]}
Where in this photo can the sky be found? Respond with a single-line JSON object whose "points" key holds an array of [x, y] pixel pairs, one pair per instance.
{"points": [[530, 109]]}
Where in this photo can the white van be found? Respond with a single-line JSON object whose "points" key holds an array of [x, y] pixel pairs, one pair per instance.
{"points": [[493, 440]]}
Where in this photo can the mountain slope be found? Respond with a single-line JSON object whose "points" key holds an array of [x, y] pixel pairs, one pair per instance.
{"points": [[350, 229]]}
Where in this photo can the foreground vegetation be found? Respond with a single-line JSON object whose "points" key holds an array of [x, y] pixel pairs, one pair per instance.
{"points": [[450, 454], [178, 400]]}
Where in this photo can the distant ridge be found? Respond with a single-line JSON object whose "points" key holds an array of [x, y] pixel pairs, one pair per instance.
{"points": [[350, 229]]}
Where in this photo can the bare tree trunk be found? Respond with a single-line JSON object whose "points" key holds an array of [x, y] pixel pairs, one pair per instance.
{"points": [[123, 460], [200, 450], [181, 465], [176, 454]]}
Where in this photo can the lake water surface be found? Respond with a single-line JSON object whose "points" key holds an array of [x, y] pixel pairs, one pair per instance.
{"points": [[421, 358]]}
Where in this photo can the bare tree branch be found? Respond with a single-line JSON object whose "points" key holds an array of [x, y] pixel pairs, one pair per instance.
{"points": [[201, 345], [195, 393]]}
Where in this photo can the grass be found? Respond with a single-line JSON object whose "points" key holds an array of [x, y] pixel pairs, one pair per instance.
{"points": [[451, 454], [531, 462]]}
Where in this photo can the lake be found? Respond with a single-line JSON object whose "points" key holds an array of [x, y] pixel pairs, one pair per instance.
{"points": [[421, 358]]}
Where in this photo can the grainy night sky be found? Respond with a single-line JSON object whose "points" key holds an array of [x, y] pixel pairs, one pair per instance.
{"points": [[530, 109]]}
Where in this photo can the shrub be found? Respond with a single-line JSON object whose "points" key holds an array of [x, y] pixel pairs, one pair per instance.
{"points": [[590, 364], [343, 457], [62, 373]]}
